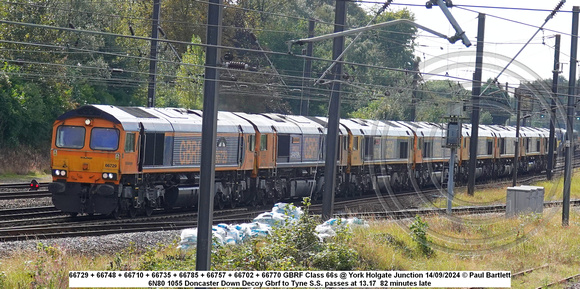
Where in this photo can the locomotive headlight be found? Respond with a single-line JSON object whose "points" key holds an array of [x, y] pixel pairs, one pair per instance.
{"points": [[88, 121], [59, 173], [109, 176]]}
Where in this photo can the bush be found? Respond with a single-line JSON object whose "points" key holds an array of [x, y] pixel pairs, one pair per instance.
{"points": [[293, 246], [419, 235], [49, 270]]}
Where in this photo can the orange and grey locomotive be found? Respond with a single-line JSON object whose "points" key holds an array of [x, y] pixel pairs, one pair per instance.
{"points": [[116, 160]]}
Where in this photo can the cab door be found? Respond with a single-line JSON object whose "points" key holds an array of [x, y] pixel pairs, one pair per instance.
{"points": [[129, 155]]}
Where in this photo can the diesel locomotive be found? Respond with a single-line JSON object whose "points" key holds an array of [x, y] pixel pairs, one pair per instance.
{"points": [[117, 160]]}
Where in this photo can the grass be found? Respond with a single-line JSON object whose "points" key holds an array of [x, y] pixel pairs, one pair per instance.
{"points": [[477, 242], [485, 243], [553, 191], [17, 178]]}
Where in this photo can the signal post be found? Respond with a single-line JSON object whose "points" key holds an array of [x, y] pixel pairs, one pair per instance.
{"points": [[453, 140]]}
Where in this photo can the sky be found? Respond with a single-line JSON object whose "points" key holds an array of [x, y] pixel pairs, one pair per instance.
{"points": [[503, 39]]}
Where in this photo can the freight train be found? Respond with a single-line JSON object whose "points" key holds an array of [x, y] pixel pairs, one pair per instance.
{"points": [[117, 160]]}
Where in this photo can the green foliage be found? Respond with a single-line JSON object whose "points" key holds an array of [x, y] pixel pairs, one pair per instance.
{"points": [[151, 262], [122, 260], [49, 269], [49, 71], [187, 92], [293, 246], [337, 255], [385, 108], [398, 244], [3, 279], [486, 118], [27, 109], [496, 102], [419, 235], [431, 102]]}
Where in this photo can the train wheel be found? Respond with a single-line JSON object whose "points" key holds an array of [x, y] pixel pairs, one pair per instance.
{"points": [[115, 214], [235, 198], [421, 182], [218, 202], [148, 211], [263, 198], [355, 190], [396, 183], [132, 212]]}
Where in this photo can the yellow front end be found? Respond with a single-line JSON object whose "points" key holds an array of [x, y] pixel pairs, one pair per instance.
{"points": [[85, 162], [82, 167]]}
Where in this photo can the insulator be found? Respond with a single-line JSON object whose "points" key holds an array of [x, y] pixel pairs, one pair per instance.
{"points": [[556, 9], [236, 65]]}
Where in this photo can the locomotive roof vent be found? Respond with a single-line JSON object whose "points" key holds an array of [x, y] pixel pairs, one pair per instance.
{"points": [[89, 111], [136, 112]]}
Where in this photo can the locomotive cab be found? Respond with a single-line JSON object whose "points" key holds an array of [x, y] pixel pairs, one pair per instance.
{"points": [[86, 156]]}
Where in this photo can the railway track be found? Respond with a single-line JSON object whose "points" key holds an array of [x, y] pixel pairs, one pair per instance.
{"points": [[33, 212], [15, 191], [402, 214], [47, 222], [56, 227], [25, 194], [21, 186]]}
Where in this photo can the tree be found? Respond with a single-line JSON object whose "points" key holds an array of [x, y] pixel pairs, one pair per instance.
{"points": [[495, 100], [27, 109], [187, 89]]}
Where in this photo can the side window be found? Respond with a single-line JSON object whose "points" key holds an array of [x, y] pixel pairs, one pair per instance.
{"points": [[263, 142], [252, 142], [489, 147], [130, 142], [527, 145], [283, 145], [427, 149], [154, 148], [355, 143], [403, 150], [368, 146]]}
